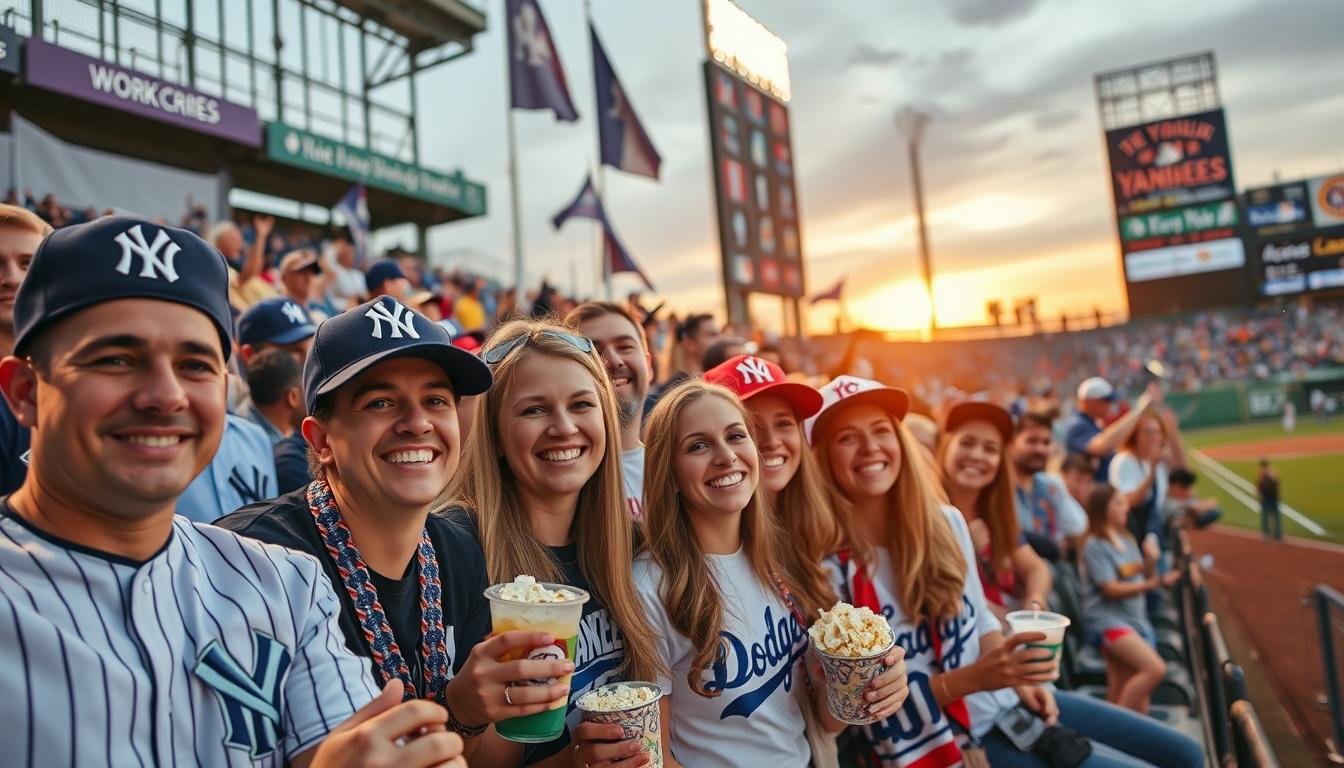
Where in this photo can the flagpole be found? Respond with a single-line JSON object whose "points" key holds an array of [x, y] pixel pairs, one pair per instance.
{"points": [[520, 290], [599, 174]]}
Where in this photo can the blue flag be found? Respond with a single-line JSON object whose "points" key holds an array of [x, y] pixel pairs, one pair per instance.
{"points": [[625, 144], [536, 77], [354, 206], [589, 206]]}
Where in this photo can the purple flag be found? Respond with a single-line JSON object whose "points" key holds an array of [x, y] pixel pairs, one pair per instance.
{"points": [[589, 206], [831, 295], [536, 77], [354, 206], [625, 144], [586, 206]]}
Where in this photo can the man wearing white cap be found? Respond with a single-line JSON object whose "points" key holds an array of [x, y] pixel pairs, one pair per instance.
{"points": [[1087, 435]]}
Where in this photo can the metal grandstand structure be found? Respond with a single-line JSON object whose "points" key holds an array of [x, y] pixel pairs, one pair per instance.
{"points": [[1171, 88], [344, 70]]}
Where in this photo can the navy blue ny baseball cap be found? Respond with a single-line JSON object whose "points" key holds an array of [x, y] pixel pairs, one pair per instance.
{"points": [[120, 257], [381, 271], [358, 339], [277, 320]]}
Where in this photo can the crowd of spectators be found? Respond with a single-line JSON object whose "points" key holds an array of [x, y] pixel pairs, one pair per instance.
{"points": [[319, 265]]}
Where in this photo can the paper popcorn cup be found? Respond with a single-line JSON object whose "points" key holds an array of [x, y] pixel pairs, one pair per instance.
{"points": [[847, 679], [640, 721]]}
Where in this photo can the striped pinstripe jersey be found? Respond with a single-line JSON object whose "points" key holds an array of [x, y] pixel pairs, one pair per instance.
{"points": [[217, 651]]}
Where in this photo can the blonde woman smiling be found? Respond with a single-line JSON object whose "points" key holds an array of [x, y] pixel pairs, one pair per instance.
{"points": [[541, 488]]}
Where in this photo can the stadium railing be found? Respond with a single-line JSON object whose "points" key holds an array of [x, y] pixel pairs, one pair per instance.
{"points": [[1251, 747], [1330, 621], [1232, 732]]}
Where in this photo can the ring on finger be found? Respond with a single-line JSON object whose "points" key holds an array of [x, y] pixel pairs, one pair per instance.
{"points": [[507, 700]]}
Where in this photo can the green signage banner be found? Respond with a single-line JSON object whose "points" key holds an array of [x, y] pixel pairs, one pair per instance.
{"points": [[301, 149], [1180, 222]]}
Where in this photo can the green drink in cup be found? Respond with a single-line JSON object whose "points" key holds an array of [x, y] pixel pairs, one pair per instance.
{"points": [[1052, 624], [525, 605]]}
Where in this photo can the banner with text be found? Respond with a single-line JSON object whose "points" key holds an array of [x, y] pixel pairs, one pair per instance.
{"points": [[53, 68], [1302, 264], [301, 149], [1278, 210], [1180, 260], [1170, 163]]}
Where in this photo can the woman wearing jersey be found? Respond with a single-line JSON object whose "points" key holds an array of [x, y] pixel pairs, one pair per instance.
{"points": [[909, 556], [729, 611], [976, 479], [541, 489]]}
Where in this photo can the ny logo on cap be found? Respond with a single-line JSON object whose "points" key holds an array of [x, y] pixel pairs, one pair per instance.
{"points": [[379, 314], [133, 243], [755, 371], [294, 313]]}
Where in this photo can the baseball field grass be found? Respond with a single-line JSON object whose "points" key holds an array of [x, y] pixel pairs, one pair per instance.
{"points": [[1310, 463]]}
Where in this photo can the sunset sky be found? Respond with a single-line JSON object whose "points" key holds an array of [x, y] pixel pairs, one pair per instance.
{"points": [[1015, 173]]}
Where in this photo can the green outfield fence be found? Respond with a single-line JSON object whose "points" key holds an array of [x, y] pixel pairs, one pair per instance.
{"points": [[1246, 401]]}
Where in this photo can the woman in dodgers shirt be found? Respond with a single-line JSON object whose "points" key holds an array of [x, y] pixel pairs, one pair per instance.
{"points": [[721, 598], [909, 556]]}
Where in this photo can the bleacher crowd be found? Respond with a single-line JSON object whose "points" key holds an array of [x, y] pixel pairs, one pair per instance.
{"points": [[171, 415]]}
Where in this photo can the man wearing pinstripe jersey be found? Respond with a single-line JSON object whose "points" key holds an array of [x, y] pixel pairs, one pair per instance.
{"points": [[133, 636]]}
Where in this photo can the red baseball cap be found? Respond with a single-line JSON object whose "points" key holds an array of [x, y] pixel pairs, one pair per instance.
{"points": [[750, 376]]}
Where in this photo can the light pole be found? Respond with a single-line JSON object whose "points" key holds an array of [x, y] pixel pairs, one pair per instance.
{"points": [[911, 123]]}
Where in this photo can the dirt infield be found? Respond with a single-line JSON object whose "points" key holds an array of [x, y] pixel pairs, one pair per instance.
{"points": [[1263, 586], [1277, 448]]}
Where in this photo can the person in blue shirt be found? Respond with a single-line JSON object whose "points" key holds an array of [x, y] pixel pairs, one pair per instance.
{"points": [[21, 231], [242, 473], [1086, 433]]}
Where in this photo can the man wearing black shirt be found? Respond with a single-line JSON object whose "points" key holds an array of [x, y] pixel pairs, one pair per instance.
{"points": [[381, 386]]}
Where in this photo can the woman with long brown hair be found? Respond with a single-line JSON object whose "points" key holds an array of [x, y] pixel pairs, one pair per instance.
{"points": [[794, 488], [908, 555], [730, 613], [541, 488], [975, 476]]}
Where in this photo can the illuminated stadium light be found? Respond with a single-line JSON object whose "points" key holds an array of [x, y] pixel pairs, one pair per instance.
{"points": [[744, 45]]}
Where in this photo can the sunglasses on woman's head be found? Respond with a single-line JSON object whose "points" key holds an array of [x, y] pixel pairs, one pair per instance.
{"points": [[493, 355]]}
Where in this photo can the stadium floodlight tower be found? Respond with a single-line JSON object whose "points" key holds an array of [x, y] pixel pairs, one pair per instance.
{"points": [[317, 94]]}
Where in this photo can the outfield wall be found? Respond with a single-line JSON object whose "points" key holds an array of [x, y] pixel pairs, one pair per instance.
{"points": [[1250, 400]]}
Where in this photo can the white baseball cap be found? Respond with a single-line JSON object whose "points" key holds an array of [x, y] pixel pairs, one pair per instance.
{"points": [[1096, 388], [851, 390]]}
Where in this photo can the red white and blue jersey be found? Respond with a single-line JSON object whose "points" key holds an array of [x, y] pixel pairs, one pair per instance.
{"points": [[921, 734]]}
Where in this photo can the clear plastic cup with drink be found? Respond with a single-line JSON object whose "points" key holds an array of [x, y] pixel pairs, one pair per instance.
{"points": [[851, 643], [526, 605], [634, 707], [1047, 622]]}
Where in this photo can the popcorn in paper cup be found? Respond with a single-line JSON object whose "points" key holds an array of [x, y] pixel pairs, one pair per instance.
{"points": [[851, 643], [634, 707]]}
